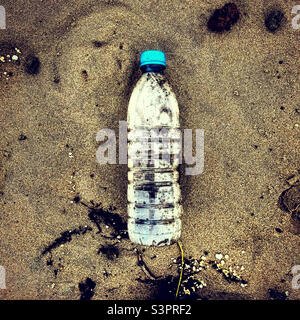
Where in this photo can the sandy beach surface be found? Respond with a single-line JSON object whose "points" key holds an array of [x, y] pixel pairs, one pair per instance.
{"points": [[67, 71]]}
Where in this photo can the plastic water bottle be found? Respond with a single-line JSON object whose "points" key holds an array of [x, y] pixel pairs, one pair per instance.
{"points": [[154, 207]]}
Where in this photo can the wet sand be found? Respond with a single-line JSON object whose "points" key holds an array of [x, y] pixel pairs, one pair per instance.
{"points": [[63, 214]]}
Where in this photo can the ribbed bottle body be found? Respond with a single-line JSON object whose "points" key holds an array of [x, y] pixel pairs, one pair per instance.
{"points": [[154, 151]]}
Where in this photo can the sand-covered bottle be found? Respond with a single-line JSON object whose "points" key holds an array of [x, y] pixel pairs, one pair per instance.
{"points": [[154, 153]]}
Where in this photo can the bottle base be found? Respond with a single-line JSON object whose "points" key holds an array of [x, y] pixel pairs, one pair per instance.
{"points": [[154, 234]]}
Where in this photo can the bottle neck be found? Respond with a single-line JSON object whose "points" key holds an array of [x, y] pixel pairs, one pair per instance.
{"points": [[153, 68]]}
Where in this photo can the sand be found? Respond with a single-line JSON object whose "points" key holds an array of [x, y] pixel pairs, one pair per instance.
{"points": [[232, 85]]}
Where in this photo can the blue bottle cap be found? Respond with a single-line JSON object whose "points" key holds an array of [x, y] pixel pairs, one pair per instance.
{"points": [[153, 57]]}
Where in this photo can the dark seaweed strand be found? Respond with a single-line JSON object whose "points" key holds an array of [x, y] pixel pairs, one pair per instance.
{"points": [[65, 237]]}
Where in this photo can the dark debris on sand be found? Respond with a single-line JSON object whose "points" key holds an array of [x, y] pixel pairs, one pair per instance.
{"points": [[99, 216], [224, 18], [162, 289], [274, 294], [87, 289], [273, 20], [111, 251], [32, 65], [65, 237], [22, 137], [289, 201]]}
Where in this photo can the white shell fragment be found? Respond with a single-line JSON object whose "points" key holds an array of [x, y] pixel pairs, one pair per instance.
{"points": [[219, 256]]}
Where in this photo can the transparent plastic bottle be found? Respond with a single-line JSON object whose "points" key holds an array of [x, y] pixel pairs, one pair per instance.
{"points": [[154, 150]]}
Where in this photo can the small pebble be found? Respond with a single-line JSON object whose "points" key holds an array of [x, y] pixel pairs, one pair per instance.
{"points": [[22, 137], [219, 256], [186, 291]]}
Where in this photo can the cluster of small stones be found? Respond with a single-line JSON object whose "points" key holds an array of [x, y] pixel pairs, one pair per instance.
{"points": [[9, 58], [192, 267], [191, 285], [228, 271]]}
